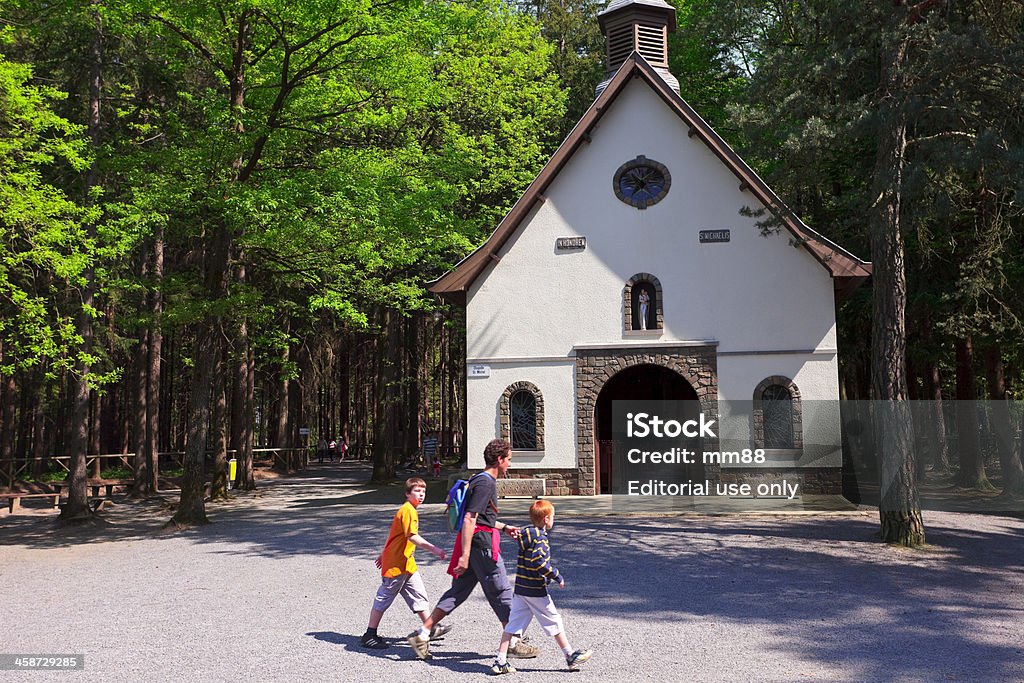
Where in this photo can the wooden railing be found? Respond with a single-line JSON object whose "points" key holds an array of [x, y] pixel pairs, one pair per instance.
{"points": [[16, 468]]}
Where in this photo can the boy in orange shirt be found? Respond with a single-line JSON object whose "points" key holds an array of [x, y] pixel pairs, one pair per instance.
{"points": [[398, 568]]}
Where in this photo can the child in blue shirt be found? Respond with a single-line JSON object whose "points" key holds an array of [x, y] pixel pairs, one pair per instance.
{"points": [[530, 600]]}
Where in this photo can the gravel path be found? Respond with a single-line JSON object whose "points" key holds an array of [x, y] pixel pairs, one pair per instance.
{"points": [[279, 586]]}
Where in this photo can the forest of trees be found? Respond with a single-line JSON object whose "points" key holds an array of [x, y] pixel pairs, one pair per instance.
{"points": [[217, 220]]}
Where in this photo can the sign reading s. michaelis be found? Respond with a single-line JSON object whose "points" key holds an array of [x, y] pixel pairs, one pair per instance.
{"points": [[713, 236]]}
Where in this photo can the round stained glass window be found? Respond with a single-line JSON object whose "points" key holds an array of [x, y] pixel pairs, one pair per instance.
{"points": [[641, 182]]}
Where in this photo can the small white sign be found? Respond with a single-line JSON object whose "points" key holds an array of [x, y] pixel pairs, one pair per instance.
{"points": [[571, 243], [303, 431], [713, 236], [479, 370]]}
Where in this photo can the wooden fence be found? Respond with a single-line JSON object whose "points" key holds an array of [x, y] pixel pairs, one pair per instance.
{"points": [[16, 468]]}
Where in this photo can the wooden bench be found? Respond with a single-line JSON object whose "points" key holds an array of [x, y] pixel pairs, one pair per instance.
{"points": [[14, 499], [95, 485]]}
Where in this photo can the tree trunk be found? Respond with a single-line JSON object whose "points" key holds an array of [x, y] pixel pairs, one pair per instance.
{"points": [[221, 473], [153, 383], [8, 390], [191, 506], [387, 399], [77, 506], [140, 367], [410, 407], [1010, 465], [242, 412], [899, 507], [39, 431], [972, 467], [281, 435], [937, 420]]}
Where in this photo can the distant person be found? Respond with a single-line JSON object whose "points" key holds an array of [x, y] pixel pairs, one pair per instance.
{"points": [[436, 464], [476, 557], [332, 449], [342, 448], [530, 600], [321, 449], [399, 575]]}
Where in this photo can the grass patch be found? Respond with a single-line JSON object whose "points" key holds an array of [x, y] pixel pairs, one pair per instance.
{"points": [[46, 477], [117, 473]]}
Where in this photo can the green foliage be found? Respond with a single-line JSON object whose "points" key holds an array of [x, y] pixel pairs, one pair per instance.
{"points": [[811, 120], [44, 250], [577, 49], [120, 472], [360, 178], [712, 55]]}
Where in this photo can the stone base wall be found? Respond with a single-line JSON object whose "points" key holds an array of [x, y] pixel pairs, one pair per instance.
{"points": [[558, 482], [812, 480]]}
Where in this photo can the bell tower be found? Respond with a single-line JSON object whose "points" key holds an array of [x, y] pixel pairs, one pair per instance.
{"points": [[640, 25]]}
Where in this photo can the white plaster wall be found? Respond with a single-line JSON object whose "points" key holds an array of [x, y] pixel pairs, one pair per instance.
{"points": [[816, 377], [750, 294], [556, 382], [753, 293]]}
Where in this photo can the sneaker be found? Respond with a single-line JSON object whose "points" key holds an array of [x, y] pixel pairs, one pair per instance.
{"points": [[420, 645], [373, 642], [523, 650], [439, 631], [499, 669], [574, 660]]}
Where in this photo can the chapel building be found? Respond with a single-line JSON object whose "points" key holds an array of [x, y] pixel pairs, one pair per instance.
{"points": [[633, 268]]}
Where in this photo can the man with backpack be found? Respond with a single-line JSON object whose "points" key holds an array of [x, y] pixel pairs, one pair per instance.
{"points": [[476, 557]]}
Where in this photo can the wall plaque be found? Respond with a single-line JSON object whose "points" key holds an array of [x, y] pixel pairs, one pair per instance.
{"points": [[712, 236], [479, 370], [571, 243]]}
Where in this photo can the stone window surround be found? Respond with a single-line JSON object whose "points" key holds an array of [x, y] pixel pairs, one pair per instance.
{"points": [[697, 364], [641, 160], [627, 302], [758, 416], [505, 416]]}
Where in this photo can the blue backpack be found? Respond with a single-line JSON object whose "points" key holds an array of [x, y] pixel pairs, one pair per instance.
{"points": [[456, 502]]}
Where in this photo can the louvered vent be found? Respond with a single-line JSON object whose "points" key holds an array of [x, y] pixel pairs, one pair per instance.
{"points": [[620, 44], [640, 25], [649, 40], [652, 43]]}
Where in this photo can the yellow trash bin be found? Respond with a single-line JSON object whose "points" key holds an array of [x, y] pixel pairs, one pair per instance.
{"points": [[232, 470]]}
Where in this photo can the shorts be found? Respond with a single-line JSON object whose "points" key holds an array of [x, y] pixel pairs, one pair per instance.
{"points": [[525, 608], [411, 588]]}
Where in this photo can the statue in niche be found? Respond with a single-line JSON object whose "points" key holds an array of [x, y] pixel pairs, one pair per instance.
{"points": [[645, 303]]}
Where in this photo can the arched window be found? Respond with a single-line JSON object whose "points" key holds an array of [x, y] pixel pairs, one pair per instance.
{"points": [[522, 417], [777, 405], [642, 303], [523, 410], [778, 414]]}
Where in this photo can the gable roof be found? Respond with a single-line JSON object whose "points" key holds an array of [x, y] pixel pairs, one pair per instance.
{"points": [[847, 270]]}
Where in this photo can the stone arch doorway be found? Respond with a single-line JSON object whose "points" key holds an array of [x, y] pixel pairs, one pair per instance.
{"points": [[695, 364], [644, 382]]}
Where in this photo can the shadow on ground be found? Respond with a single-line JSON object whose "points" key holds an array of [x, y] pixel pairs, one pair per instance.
{"points": [[794, 578]]}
